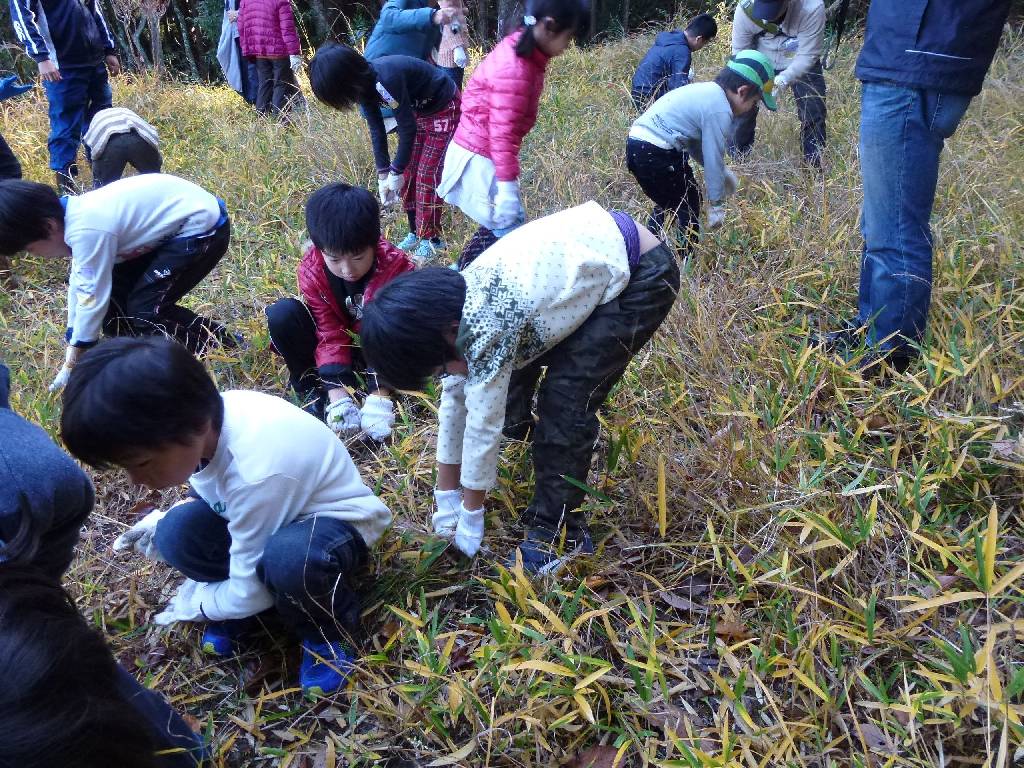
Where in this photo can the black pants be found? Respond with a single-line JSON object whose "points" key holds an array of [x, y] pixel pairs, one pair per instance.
{"points": [[581, 370], [177, 745], [145, 291], [809, 96], [249, 75], [308, 566], [277, 86], [10, 168], [124, 149], [666, 177]]}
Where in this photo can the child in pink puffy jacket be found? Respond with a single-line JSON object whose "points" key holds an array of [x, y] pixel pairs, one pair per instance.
{"points": [[266, 31], [499, 107]]}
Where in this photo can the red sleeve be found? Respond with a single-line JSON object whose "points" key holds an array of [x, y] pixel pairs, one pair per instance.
{"points": [[333, 338], [287, 21]]}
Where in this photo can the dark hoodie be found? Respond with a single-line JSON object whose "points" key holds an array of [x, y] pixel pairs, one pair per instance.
{"points": [[44, 495], [665, 67]]}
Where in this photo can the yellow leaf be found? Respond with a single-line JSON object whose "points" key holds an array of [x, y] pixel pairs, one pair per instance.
{"points": [[989, 551], [455, 757], [503, 614], [935, 602], [541, 666], [330, 756], [556, 623], [1008, 578], [592, 677], [416, 622], [662, 503], [810, 684], [583, 707]]}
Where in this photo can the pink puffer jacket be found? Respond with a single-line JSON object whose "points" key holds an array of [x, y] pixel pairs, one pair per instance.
{"points": [[266, 29], [499, 105]]}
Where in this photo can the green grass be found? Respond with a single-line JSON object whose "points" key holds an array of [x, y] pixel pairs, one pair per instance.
{"points": [[763, 605]]}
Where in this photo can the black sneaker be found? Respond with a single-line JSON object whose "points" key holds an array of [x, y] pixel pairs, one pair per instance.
{"points": [[545, 554]]}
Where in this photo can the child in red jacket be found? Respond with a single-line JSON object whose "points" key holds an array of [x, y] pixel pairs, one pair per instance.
{"points": [[499, 107], [266, 32], [345, 264]]}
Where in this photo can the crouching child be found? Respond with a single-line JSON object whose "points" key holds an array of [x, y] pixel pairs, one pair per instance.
{"points": [[277, 514], [345, 264], [117, 137], [578, 293]]}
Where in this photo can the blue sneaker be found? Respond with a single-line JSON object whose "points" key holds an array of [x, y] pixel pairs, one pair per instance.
{"points": [[409, 242], [428, 251], [325, 668], [222, 638]]}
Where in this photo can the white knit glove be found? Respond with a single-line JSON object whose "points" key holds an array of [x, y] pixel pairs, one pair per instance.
{"points": [[140, 536], [716, 216], [469, 533], [296, 62], [343, 416], [377, 417], [71, 355], [507, 207], [781, 81], [446, 515], [461, 59], [184, 606], [730, 182], [388, 189], [691, 75]]}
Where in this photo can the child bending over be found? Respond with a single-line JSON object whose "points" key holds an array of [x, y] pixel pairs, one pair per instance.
{"points": [[695, 120], [346, 263], [277, 515], [118, 137], [578, 292], [136, 247]]}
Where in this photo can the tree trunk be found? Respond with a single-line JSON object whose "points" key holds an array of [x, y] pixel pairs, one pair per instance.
{"points": [[593, 19], [137, 39], [185, 41], [155, 43], [625, 17], [510, 13], [480, 20]]}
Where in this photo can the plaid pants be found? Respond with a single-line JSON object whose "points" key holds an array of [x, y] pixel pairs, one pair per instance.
{"points": [[423, 174]]}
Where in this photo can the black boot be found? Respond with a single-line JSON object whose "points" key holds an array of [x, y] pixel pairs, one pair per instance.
{"points": [[65, 180]]}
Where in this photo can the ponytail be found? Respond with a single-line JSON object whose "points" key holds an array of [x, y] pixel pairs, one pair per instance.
{"points": [[565, 14]]}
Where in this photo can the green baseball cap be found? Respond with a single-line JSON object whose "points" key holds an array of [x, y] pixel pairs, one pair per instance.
{"points": [[754, 67]]}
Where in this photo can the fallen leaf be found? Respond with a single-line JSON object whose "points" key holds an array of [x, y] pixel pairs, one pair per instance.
{"points": [[1008, 449], [946, 580], [876, 739], [732, 629], [681, 603], [876, 421], [192, 722], [601, 756], [746, 554], [596, 581]]}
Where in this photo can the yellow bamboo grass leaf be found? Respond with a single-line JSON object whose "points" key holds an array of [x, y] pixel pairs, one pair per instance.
{"points": [[988, 572], [503, 614], [584, 707], [1008, 578], [810, 684], [455, 757], [592, 677], [540, 666], [330, 755], [662, 501], [937, 602], [406, 616], [556, 623]]}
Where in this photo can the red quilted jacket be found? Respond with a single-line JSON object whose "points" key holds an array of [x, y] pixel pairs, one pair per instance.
{"points": [[334, 326], [499, 105], [266, 29]]}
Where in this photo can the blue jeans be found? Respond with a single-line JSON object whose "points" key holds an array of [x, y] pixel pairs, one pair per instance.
{"points": [[902, 132], [308, 566], [80, 93]]}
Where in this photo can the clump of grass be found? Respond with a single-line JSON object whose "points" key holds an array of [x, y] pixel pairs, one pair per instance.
{"points": [[797, 567]]}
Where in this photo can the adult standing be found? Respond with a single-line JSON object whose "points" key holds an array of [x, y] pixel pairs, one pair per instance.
{"points": [[70, 42], [266, 30], [407, 28], [791, 33], [239, 72], [922, 63]]}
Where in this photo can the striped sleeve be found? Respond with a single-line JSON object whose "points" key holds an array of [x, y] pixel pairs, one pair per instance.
{"points": [[26, 27]]}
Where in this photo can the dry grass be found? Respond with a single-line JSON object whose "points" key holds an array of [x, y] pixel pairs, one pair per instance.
{"points": [[797, 567]]}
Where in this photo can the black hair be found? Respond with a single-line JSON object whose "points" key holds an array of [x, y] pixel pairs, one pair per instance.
{"points": [[340, 77], [343, 219], [565, 14], [25, 210], [731, 81], [404, 328], [128, 394], [59, 702], [703, 25]]}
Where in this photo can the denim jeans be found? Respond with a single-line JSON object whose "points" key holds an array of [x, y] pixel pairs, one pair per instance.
{"points": [[308, 566], [902, 132], [80, 93]]}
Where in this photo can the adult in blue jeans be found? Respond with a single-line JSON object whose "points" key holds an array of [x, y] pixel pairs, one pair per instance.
{"points": [[922, 63]]}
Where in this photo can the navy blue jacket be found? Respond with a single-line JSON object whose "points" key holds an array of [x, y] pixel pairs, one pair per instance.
{"points": [[942, 45], [71, 33], [44, 495], [665, 67]]}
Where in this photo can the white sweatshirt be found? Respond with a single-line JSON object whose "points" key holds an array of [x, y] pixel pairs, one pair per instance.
{"points": [[798, 45], [112, 121], [697, 119], [121, 221], [275, 464], [524, 294]]}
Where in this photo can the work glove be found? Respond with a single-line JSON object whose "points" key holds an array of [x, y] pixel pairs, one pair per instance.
{"points": [[691, 76], [343, 416], [781, 81], [140, 536], [730, 182], [469, 533], [61, 379], [507, 207], [461, 59], [10, 87], [716, 216], [389, 187], [377, 417], [296, 62], [184, 606], [446, 516]]}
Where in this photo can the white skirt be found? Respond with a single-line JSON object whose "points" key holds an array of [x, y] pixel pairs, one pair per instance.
{"points": [[469, 182]]}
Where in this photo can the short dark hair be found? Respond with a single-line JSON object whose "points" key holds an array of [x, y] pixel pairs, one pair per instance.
{"points": [[128, 394], [732, 81], [60, 701], [404, 327], [703, 25], [566, 14], [343, 219], [25, 209], [340, 77]]}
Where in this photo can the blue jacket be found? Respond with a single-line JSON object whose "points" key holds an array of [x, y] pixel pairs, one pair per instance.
{"points": [[665, 67], [70, 33], [942, 45], [405, 28]]}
